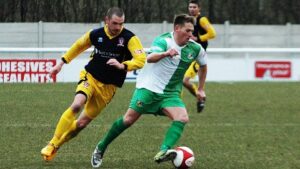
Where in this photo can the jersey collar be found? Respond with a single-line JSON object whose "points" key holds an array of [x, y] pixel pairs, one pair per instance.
{"points": [[107, 32]]}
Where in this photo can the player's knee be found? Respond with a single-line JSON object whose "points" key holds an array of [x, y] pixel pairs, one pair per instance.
{"points": [[130, 117], [78, 103], [183, 118], [76, 107], [128, 121]]}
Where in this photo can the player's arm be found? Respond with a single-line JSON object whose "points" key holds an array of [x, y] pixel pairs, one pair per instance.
{"points": [[202, 78], [155, 57], [210, 30], [138, 55], [202, 61], [159, 50], [79, 46], [56, 69]]}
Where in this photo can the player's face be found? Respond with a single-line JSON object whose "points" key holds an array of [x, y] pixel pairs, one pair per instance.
{"points": [[115, 24], [184, 33], [193, 9]]}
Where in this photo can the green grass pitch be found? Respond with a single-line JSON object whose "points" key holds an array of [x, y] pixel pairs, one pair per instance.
{"points": [[244, 126]]}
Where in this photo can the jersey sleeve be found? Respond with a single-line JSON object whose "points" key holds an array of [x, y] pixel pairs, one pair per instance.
{"points": [[158, 45], [78, 47], [138, 54], [202, 57], [211, 33]]}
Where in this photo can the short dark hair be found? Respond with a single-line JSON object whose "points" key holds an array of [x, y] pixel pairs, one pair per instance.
{"points": [[182, 19], [114, 11], [197, 2]]}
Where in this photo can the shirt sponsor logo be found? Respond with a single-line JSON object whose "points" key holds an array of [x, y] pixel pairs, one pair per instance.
{"points": [[190, 56], [106, 54]]}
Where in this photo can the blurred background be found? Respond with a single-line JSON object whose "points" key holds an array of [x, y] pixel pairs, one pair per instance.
{"points": [[256, 40], [150, 11]]}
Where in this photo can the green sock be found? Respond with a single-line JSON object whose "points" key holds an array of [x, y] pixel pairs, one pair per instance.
{"points": [[116, 129], [172, 135]]}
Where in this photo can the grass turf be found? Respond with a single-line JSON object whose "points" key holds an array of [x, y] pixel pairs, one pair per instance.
{"points": [[244, 126]]}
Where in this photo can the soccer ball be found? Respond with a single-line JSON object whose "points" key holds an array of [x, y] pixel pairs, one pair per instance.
{"points": [[184, 159]]}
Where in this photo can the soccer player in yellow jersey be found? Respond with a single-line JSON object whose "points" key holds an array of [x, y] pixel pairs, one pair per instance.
{"points": [[203, 31], [116, 51]]}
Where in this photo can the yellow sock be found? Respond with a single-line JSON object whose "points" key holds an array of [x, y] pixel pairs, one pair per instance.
{"points": [[70, 133], [63, 125], [194, 89]]}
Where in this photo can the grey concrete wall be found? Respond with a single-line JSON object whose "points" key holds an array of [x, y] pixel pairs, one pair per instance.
{"points": [[64, 34]]}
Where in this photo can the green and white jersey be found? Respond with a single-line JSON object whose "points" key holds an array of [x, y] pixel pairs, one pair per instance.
{"points": [[166, 75]]}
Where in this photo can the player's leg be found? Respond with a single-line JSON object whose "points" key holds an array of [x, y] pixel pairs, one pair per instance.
{"points": [[179, 118], [98, 96], [116, 129], [66, 121], [93, 107], [192, 87], [190, 74], [83, 92], [140, 103], [178, 114], [75, 128]]}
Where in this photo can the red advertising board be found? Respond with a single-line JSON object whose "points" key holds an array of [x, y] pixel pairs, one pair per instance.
{"points": [[26, 70], [273, 69]]}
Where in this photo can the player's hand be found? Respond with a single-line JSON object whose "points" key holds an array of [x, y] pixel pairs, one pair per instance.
{"points": [[56, 69], [171, 52], [200, 95], [115, 63]]}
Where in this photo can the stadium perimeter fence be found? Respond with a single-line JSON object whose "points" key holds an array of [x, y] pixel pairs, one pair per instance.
{"points": [[225, 64]]}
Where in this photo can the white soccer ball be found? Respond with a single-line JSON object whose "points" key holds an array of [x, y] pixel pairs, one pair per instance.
{"points": [[185, 157]]}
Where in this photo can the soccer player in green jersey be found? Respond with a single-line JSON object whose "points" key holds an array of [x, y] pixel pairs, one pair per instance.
{"points": [[159, 86], [116, 51]]}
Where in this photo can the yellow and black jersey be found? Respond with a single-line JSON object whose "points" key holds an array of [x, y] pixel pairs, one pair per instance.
{"points": [[203, 30], [125, 47]]}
